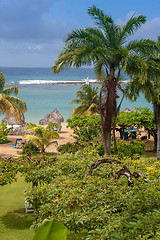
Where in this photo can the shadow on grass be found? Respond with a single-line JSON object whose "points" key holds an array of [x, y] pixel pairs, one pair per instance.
{"points": [[77, 236], [18, 219]]}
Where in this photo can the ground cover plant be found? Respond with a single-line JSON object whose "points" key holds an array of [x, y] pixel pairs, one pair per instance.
{"points": [[100, 203]]}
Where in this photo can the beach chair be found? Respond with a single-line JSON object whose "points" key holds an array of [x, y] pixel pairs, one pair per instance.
{"points": [[15, 144], [125, 135], [58, 130], [28, 206], [133, 134]]}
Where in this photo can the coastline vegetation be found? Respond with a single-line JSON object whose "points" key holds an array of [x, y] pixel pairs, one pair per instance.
{"points": [[97, 187]]}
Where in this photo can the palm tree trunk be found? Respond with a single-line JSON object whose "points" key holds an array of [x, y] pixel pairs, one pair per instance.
{"points": [[158, 131], [114, 136], [106, 133], [108, 110]]}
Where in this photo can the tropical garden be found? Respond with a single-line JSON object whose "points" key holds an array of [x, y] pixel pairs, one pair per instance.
{"points": [[98, 187]]}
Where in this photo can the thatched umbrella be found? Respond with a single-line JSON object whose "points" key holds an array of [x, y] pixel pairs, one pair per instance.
{"points": [[54, 116], [20, 130], [12, 120], [127, 110]]}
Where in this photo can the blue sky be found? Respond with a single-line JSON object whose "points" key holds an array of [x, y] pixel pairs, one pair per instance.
{"points": [[32, 32]]}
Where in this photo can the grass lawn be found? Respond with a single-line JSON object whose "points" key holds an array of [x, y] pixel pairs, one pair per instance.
{"points": [[14, 222]]}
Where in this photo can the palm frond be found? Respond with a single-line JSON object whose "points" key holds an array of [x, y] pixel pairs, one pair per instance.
{"points": [[100, 18], [6, 106], [2, 81], [10, 90], [133, 24], [18, 102]]}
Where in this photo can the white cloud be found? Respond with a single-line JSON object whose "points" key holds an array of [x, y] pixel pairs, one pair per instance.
{"points": [[151, 29], [38, 47], [121, 22]]}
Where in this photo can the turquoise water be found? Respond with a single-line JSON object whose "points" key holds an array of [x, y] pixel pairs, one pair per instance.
{"points": [[44, 98]]}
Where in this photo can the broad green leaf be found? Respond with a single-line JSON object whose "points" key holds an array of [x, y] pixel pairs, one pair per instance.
{"points": [[51, 230]]}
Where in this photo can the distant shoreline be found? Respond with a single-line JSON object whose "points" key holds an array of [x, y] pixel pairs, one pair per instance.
{"points": [[35, 82]]}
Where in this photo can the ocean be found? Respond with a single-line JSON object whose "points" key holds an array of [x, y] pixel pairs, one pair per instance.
{"points": [[42, 91]]}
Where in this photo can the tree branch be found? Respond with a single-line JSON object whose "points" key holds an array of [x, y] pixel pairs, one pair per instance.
{"points": [[125, 171], [95, 165]]}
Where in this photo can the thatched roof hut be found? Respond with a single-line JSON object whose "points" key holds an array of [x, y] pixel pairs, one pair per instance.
{"points": [[54, 116], [12, 120]]}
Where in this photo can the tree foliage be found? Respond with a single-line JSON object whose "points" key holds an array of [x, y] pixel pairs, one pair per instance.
{"points": [[42, 136], [85, 128], [10, 105], [140, 117], [87, 101], [108, 48]]}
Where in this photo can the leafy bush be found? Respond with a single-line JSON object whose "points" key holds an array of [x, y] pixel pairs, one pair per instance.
{"points": [[125, 149], [30, 147], [101, 204], [141, 117], [69, 147], [129, 149], [8, 170], [86, 128], [3, 133]]}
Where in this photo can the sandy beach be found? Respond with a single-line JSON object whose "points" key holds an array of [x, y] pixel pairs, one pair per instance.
{"points": [[7, 150]]}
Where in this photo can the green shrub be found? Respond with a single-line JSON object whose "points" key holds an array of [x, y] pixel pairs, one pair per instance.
{"points": [[125, 149], [8, 170], [3, 133], [129, 149], [30, 147], [85, 128], [69, 148], [99, 203]]}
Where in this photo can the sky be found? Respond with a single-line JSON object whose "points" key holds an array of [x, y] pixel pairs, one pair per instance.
{"points": [[32, 32]]}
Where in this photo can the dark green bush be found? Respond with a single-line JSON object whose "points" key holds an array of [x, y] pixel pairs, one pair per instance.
{"points": [[69, 148], [129, 149], [125, 149], [30, 147]]}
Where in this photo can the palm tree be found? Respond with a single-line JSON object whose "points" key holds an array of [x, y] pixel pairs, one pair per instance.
{"points": [[87, 100], [42, 136], [108, 48], [10, 105], [150, 87]]}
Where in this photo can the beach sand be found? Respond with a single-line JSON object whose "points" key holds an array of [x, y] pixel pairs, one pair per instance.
{"points": [[7, 150]]}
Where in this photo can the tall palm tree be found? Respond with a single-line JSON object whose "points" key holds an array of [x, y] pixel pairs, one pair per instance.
{"points": [[108, 48], [10, 105], [150, 87], [42, 136], [87, 100]]}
